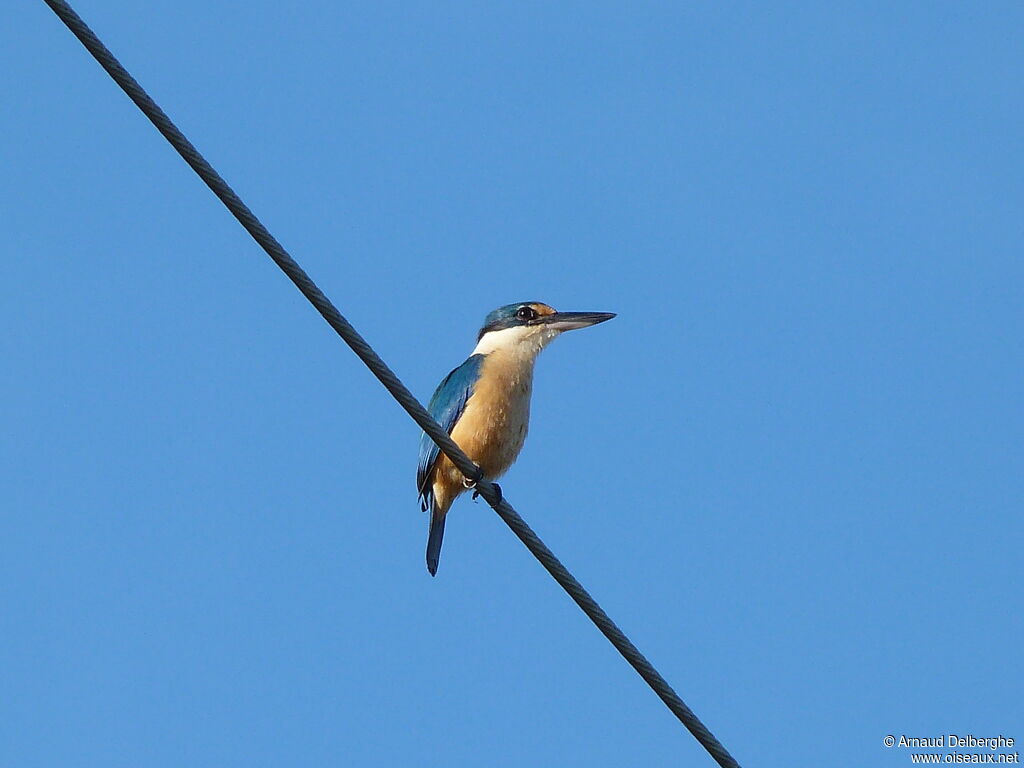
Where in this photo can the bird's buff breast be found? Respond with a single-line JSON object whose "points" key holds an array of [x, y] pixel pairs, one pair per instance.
{"points": [[493, 427]]}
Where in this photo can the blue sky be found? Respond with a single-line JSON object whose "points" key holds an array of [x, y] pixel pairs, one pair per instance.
{"points": [[791, 468]]}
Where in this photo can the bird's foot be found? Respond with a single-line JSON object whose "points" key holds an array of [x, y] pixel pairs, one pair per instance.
{"points": [[497, 489], [467, 483]]}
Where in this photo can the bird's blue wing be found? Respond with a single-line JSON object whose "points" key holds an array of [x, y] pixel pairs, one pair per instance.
{"points": [[446, 406]]}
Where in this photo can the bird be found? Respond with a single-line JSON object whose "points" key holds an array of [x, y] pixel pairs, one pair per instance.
{"points": [[484, 405]]}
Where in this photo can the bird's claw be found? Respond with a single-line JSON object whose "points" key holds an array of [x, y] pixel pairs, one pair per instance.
{"points": [[497, 490], [476, 491]]}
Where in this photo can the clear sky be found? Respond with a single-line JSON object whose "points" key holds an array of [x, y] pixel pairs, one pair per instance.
{"points": [[791, 468]]}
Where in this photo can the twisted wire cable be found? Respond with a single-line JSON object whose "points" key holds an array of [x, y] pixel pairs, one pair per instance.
{"points": [[390, 381]]}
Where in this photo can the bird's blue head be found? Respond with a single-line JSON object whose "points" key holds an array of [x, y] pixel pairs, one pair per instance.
{"points": [[533, 323]]}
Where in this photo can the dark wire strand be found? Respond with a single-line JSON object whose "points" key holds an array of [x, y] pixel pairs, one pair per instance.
{"points": [[390, 381]]}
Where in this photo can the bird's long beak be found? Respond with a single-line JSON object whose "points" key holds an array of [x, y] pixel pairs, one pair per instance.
{"points": [[568, 321]]}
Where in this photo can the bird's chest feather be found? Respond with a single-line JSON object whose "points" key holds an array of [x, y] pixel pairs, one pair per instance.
{"points": [[494, 425]]}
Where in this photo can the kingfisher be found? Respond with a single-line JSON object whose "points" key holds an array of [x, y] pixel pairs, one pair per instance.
{"points": [[484, 405]]}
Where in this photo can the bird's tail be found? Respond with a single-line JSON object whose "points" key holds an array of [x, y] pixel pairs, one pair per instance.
{"points": [[434, 539]]}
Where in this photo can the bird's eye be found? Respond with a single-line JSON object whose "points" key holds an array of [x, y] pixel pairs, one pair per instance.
{"points": [[526, 313]]}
